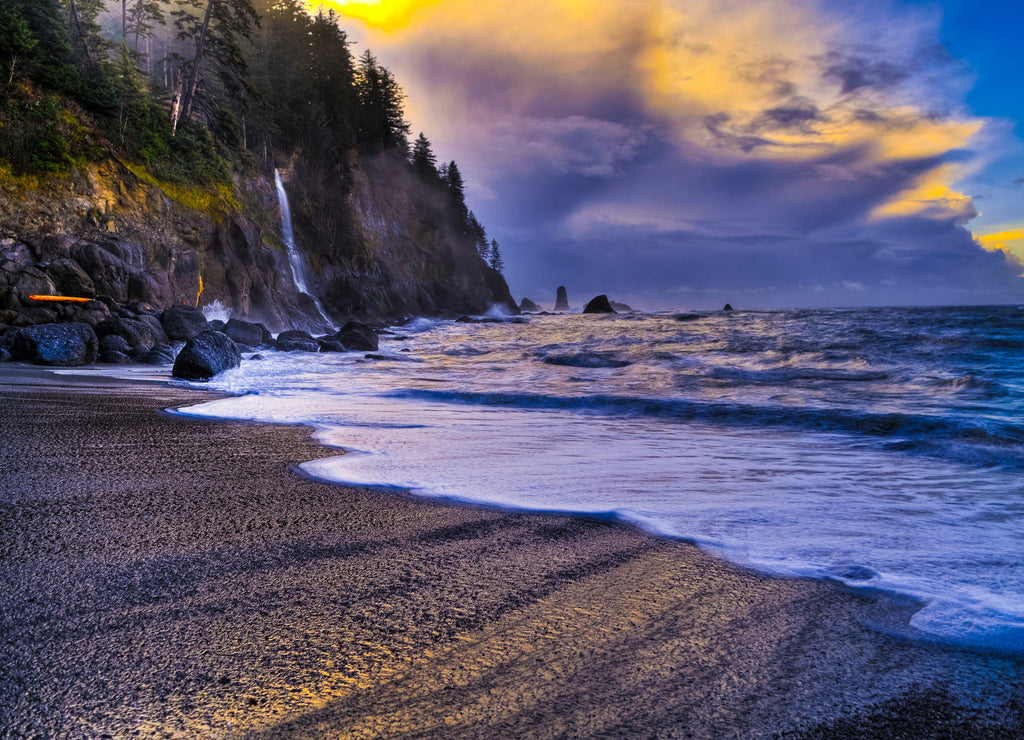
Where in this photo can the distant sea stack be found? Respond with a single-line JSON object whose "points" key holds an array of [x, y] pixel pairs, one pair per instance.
{"points": [[727, 307], [527, 305], [599, 304], [620, 307], [562, 301]]}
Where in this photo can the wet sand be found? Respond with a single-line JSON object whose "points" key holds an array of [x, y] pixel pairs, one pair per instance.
{"points": [[171, 577]]}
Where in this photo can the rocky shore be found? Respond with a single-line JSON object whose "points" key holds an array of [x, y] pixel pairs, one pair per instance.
{"points": [[172, 577]]}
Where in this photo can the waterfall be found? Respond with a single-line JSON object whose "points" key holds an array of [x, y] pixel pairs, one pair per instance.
{"points": [[294, 257]]}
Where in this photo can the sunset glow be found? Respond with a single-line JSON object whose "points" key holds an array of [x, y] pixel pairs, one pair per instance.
{"points": [[843, 119]]}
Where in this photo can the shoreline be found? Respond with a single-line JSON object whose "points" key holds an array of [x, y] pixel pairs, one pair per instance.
{"points": [[180, 577]]}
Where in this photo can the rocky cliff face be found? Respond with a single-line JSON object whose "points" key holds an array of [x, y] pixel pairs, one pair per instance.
{"points": [[109, 229]]}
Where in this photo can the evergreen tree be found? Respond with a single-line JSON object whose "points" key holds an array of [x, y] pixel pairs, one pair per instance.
{"points": [[423, 160], [497, 263], [88, 44], [452, 179], [139, 18], [476, 232], [17, 41], [216, 29], [382, 124]]}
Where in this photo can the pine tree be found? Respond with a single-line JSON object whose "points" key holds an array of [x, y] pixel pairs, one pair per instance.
{"points": [[497, 263], [216, 28], [423, 160], [476, 232], [382, 124]]}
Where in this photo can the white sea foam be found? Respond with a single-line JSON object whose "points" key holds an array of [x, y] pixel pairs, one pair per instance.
{"points": [[812, 476]]}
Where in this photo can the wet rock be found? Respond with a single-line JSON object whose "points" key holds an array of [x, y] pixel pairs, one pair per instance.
{"points": [[91, 313], [527, 305], [562, 299], [5, 356], [137, 333], [357, 337], [114, 343], [205, 355], [331, 345], [63, 345], [727, 307], [217, 325], [620, 307], [109, 273], [32, 281], [70, 279], [153, 322], [140, 308], [36, 315], [587, 359], [161, 354], [295, 340], [246, 332], [599, 304], [113, 357], [182, 323]]}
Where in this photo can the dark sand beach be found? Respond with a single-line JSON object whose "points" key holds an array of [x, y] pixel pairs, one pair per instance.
{"points": [[171, 577]]}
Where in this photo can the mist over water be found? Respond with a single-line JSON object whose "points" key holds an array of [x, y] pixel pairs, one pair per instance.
{"points": [[883, 448]]}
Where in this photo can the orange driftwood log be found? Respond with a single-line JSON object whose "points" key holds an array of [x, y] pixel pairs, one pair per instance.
{"points": [[58, 298]]}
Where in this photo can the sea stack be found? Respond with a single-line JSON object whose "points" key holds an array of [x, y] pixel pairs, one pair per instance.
{"points": [[528, 305], [599, 304], [727, 307], [562, 300]]}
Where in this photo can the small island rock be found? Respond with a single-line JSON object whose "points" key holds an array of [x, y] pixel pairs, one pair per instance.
{"points": [[599, 304], [562, 299], [528, 305]]}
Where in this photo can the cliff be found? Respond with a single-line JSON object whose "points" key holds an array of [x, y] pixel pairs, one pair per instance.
{"points": [[107, 227]]}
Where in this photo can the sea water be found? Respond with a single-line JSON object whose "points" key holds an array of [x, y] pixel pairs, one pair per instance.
{"points": [[883, 448]]}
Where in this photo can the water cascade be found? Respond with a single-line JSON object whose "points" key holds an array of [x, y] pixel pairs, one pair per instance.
{"points": [[294, 258]]}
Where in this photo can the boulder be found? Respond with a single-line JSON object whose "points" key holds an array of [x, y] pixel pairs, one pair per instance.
{"points": [[599, 304], [108, 272], [357, 337], [205, 355], [295, 340], [562, 299], [245, 332], [63, 345], [161, 354], [620, 307], [36, 315], [331, 345], [114, 343], [91, 313], [113, 357], [182, 323], [5, 356], [32, 281], [527, 305], [70, 279], [137, 333], [153, 322]]}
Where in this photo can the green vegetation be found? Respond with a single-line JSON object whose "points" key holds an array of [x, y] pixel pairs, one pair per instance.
{"points": [[190, 92]]}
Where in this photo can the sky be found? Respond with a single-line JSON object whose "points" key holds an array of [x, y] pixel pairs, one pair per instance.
{"points": [[688, 153]]}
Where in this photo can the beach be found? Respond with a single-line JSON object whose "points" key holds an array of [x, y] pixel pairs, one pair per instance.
{"points": [[176, 577]]}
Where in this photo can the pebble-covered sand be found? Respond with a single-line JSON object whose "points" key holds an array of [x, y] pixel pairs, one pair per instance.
{"points": [[171, 577]]}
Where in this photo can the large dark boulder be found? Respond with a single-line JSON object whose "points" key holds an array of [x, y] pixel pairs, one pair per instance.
{"points": [[528, 305], [114, 343], [357, 337], [161, 354], [137, 333], [182, 323], [599, 304], [70, 279], [247, 333], [64, 345], [205, 355], [295, 340], [562, 299]]}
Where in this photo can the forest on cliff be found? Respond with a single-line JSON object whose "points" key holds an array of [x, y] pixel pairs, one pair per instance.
{"points": [[201, 92]]}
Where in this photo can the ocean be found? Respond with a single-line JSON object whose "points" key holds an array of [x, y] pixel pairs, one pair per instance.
{"points": [[879, 448]]}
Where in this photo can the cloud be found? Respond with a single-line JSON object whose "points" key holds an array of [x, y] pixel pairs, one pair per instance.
{"points": [[795, 142]]}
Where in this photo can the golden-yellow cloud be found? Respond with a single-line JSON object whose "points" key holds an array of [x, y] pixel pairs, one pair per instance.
{"points": [[729, 79], [1009, 241]]}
